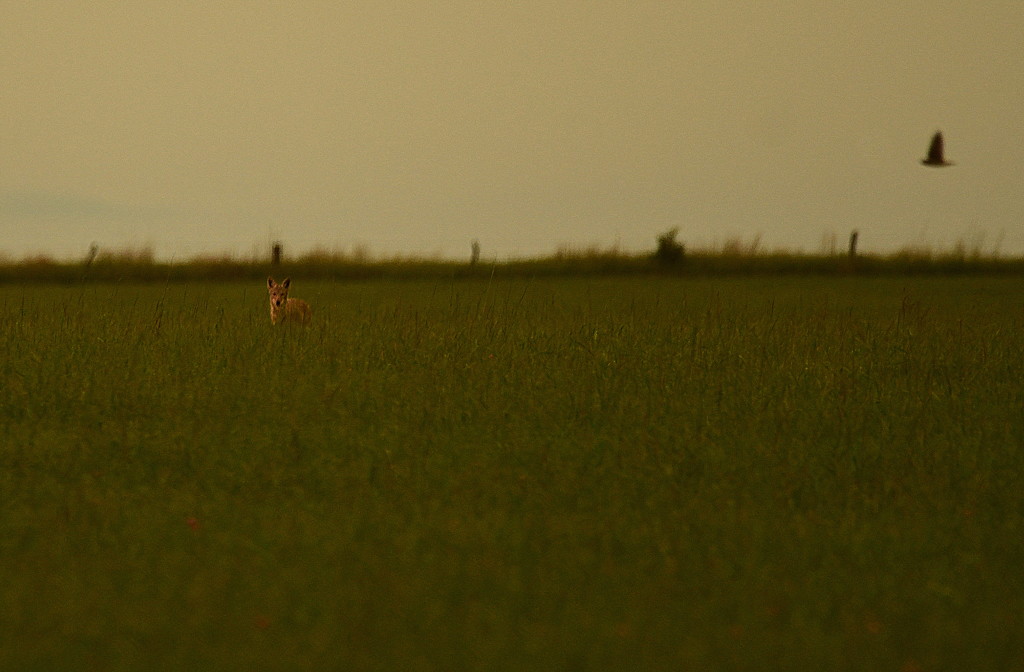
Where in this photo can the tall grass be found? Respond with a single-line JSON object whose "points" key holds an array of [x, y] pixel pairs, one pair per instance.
{"points": [[733, 257], [632, 473]]}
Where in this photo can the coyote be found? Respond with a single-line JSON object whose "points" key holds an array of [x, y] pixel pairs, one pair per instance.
{"points": [[283, 309]]}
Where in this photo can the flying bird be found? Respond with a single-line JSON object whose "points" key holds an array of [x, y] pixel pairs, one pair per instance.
{"points": [[935, 157]]}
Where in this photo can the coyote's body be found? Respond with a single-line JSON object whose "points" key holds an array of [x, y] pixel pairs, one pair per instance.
{"points": [[283, 309]]}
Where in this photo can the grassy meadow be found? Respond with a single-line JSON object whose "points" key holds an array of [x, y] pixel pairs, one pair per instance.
{"points": [[557, 473]]}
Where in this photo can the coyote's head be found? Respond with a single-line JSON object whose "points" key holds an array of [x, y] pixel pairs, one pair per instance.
{"points": [[278, 292]]}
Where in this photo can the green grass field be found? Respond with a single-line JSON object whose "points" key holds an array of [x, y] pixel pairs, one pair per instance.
{"points": [[646, 473]]}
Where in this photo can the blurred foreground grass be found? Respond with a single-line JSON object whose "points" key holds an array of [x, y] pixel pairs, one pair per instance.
{"points": [[556, 474]]}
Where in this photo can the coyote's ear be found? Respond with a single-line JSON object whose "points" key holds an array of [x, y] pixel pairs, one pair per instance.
{"points": [[270, 281], [287, 281]]}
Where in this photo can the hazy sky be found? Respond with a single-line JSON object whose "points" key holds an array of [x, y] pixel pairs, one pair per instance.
{"points": [[414, 127]]}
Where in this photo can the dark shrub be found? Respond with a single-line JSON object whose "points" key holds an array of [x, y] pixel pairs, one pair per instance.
{"points": [[670, 251]]}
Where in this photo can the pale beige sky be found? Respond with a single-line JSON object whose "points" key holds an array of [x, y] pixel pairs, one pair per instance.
{"points": [[415, 127]]}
